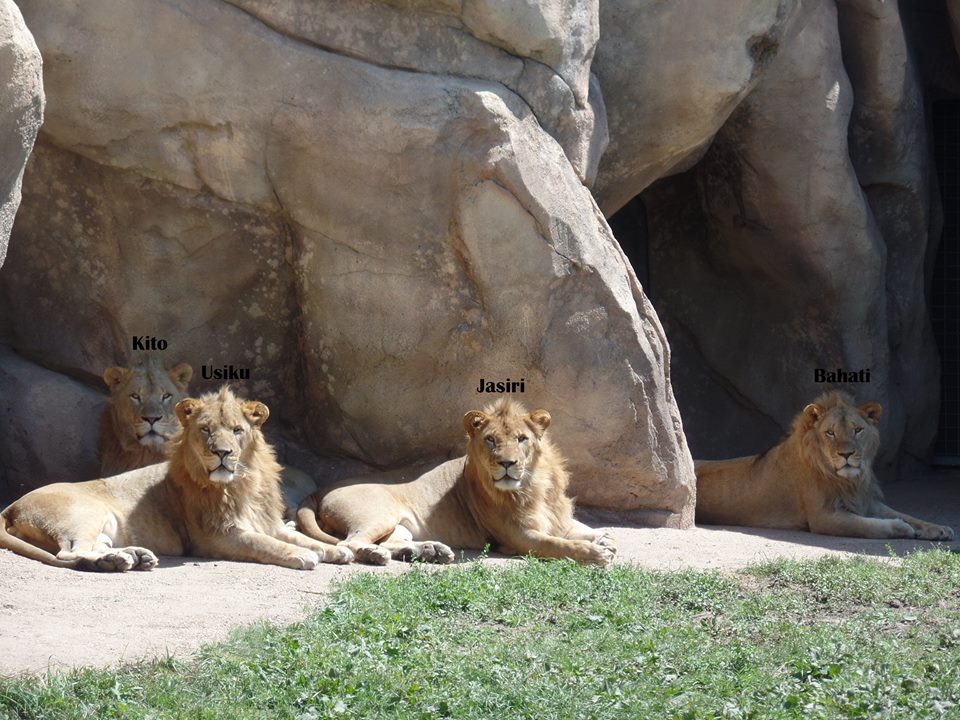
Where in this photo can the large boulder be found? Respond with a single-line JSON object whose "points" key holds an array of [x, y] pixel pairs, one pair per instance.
{"points": [[21, 110], [49, 425], [770, 260], [368, 220], [672, 73]]}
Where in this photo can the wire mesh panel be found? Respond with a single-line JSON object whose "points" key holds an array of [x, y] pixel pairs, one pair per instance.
{"points": [[945, 296]]}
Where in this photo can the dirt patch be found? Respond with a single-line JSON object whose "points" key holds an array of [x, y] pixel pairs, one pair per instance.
{"points": [[52, 618]]}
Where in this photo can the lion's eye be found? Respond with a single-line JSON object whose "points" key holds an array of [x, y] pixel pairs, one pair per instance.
{"points": [[205, 430], [858, 430], [491, 443], [238, 430], [829, 433], [135, 397], [166, 397], [521, 438]]}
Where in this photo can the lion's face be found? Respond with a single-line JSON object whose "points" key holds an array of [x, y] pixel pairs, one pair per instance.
{"points": [[506, 442], [220, 431], [142, 400], [844, 437]]}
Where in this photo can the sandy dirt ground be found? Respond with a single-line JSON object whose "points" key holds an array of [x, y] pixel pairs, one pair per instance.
{"points": [[51, 618]]}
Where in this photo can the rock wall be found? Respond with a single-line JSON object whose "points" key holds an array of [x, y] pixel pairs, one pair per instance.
{"points": [[21, 110], [370, 210]]}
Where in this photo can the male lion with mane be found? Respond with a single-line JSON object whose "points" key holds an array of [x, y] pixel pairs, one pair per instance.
{"points": [[217, 497], [509, 490], [139, 418], [819, 478]]}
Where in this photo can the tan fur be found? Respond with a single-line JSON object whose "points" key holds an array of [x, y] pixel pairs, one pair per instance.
{"points": [[217, 497], [819, 478], [459, 503], [139, 419]]}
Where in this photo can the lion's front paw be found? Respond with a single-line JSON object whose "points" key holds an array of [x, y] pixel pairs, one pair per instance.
{"points": [[936, 532], [600, 554], [338, 555], [305, 559], [607, 541], [371, 554], [901, 529]]}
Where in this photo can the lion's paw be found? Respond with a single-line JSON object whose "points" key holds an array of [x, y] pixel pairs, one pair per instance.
{"points": [[936, 532], [338, 555], [144, 559], [115, 561], [599, 554], [607, 541], [371, 554], [307, 559], [436, 552]]}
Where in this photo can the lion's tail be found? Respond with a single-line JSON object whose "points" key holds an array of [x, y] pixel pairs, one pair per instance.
{"points": [[22, 547], [307, 522]]}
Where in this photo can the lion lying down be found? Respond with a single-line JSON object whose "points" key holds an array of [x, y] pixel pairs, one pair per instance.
{"points": [[217, 497], [508, 491], [819, 478]]}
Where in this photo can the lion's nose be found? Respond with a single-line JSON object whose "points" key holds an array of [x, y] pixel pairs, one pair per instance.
{"points": [[507, 463], [222, 453], [845, 455], [150, 420]]}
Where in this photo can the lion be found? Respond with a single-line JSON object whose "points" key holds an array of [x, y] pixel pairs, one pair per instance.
{"points": [[818, 478], [217, 497], [509, 490], [139, 418]]}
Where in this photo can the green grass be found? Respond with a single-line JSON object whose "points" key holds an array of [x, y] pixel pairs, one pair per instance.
{"points": [[833, 638]]}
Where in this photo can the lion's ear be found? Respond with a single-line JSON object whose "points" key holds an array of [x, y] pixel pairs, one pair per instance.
{"points": [[255, 412], [813, 412], [114, 377], [539, 420], [187, 408], [180, 375], [475, 421], [872, 412]]}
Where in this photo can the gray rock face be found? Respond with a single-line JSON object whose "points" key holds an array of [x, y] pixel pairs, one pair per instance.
{"points": [[672, 73], [369, 223], [799, 251], [21, 110], [891, 154], [49, 427], [953, 8]]}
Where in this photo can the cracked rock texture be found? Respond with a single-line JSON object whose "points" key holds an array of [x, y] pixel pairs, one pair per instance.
{"points": [[670, 84], [21, 110], [369, 207]]}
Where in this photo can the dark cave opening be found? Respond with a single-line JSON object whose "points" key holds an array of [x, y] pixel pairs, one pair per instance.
{"points": [[629, 226], [945, 287]]}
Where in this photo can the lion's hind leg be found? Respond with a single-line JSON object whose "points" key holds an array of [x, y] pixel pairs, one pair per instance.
{"points": [[365, 514], [363, 545], [79, 530], [98, 554], [402, 546], [336, 554], [103, 557]]}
